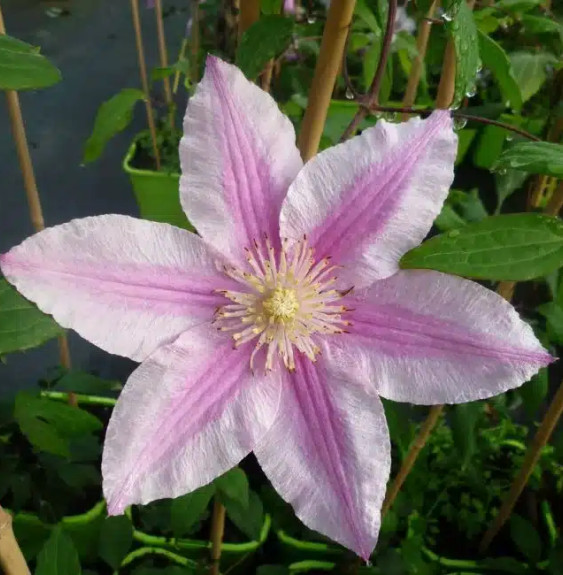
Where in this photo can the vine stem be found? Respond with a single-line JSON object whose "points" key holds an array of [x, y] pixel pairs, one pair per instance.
{"points": [[144, 80], [328, 63], [372, 96], [217, 530], [11, 558], [163, 55], [532, 455], [29, 182]]}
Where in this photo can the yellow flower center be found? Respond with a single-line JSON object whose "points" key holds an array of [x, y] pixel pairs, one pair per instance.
{"points": [[282, 305]]}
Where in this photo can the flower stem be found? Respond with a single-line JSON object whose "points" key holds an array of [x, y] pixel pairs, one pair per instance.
{"points": [[532, 455], [421, 45], [144, 80], [79, 398], [163, 56], [217, 530], [12, 561], [29, 182], [332, 48], [408, 463]]}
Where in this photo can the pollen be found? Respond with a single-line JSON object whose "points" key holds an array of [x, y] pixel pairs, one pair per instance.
{"points": [[286, 302]]}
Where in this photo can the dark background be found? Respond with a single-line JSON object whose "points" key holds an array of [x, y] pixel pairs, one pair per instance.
{"points": [[94, 47]]}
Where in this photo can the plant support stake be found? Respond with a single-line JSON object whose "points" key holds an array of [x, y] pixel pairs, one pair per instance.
{"points": [[163, 54], [144, 81], [30, 184], [12, 561], [217, 530], [332, 49]]}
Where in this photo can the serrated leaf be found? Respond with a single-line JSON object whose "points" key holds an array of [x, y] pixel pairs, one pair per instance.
{"points": [[113, 117], [187, 511], [463, 32], [529, 69], [513, 247], [264, 40], [23, 68], [496, 60], [525, 537], [116, 538], [233, 485], [58, 556], [22, 325], [534, 158]]}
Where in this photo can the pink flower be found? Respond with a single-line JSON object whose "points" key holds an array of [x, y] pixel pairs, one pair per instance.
{"points": [[297, 266]]}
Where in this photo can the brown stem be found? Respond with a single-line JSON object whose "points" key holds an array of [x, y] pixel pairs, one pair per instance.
{"points": [[332, 47], [446, 88], [217, 530], [144, 80], [421, 46], [12, 561], [410, 459], [249, 13], [163, 53], [29, 182], [266, 79], [532, 455]]}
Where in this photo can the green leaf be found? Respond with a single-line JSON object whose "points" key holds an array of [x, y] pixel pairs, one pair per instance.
{"points": [[116, 538], [513, 247], [112, 117], [491, 143], [496, 60], [58, 556], [22, 325], [534, 158], [505, 565], [533, 392], [265, 39], [366, 15], [248, 519], [272, 570], [507, 183], [541, 25], [233, 485], [529, 71], [49, 425], [463, 31], [519, 5], [525, 537], [187, 511], [464, 419], [553, 313], [81, 382], [448, 219], [271, 6], [23, 68]]}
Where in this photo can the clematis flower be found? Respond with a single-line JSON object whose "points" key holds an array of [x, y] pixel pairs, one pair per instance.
{"points": [[277, 329]]}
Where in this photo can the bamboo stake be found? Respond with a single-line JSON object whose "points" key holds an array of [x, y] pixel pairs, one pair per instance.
{"points": [[181, 56], [249, 13], [12, 561], [163, 53], [532, 455], [30, 184], [217, 530], [330, 56], [144, 80], [421, 47], [444, 98]]}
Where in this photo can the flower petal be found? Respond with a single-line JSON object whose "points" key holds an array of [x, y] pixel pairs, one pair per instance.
{"points": [[368, 201], [238, 158], [124, 284], [189, 413], [426, 337], [328, 453]]}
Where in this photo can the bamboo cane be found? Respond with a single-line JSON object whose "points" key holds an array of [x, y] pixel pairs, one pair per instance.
{"points": [[12, 560], [163, 54]]}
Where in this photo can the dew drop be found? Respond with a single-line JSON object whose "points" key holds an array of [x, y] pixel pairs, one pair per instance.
{"points": [[311, 19], [349, 94], [459, 123], [501, 171], [447, 17], [509, 137], [472, 90]]}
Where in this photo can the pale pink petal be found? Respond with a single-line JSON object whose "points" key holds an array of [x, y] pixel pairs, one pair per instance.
{"points": [[189, 413], [328, 453], [124, 284], [368, 201], [426, 337], [238, 158]]}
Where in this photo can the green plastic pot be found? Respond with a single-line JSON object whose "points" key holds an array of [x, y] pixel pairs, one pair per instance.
{"points": [[157, 193]]}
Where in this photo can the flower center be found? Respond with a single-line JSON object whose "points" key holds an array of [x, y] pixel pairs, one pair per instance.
{"points": [[286, 301]]}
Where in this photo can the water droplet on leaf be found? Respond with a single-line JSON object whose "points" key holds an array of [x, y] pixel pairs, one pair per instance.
{"points": [[349, 94], [459, 123], [447, 17], [311, 19]]}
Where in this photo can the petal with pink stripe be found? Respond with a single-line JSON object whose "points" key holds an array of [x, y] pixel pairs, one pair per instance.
{"points": [[426, 337], [189, 413], [238, 158], [368, 201], [328, 453], [124, 284]]}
